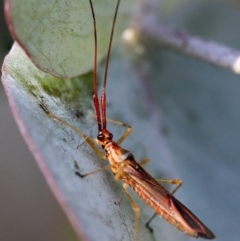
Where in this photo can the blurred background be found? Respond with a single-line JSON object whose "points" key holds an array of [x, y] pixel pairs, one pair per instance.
{"points": [[28, 209], [201, 118]]}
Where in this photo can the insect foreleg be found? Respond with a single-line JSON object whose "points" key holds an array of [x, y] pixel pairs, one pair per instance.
{"points": [[87, 138]]}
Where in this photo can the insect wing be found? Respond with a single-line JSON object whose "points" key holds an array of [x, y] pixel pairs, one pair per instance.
{"points": [[192, 220], [149, 185], [192, 225]]}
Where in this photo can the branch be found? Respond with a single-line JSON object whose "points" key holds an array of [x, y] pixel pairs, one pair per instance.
{"points": [[180, 41], [208, 51]]}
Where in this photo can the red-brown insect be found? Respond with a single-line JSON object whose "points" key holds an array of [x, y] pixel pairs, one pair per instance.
{"points": [[125, 168]]}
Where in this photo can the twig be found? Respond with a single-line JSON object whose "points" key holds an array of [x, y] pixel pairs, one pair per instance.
{"points": [[180, 41]]}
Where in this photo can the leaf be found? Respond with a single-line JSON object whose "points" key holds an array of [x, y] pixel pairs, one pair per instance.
{"points": [[51, 31], [185, 117], [96, 205]]}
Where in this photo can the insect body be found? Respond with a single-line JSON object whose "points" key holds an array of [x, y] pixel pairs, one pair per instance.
{"points": [[125, 168]]}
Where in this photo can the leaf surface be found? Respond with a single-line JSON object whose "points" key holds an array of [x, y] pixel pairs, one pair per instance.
{"points": [[185, 117], [51, 31]]}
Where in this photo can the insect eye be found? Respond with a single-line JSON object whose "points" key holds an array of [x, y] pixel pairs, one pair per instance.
{"points": [[100, 137], [111, 135]]}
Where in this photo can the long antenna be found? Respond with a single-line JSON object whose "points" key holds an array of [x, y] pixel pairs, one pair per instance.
{"points": [[101, 119], [95, 85], [103, 97]]}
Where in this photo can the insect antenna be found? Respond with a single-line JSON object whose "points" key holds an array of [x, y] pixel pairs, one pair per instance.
{"points": [[101, 116], [95, 85], [103, 97]]}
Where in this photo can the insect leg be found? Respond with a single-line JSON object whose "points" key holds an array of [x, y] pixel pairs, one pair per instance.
{"points": [[144, 161], [125, 134], [104, 168], [87, 138], [135, 208], [177, 182]]}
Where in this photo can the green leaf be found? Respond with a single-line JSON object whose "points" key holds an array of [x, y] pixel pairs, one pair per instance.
{"points": [[58, 35]]}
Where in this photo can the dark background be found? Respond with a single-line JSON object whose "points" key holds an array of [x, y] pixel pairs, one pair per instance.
{"points": [[28, 209]]}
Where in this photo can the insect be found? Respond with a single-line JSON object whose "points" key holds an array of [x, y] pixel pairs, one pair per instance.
{"points": [[125, 168]]}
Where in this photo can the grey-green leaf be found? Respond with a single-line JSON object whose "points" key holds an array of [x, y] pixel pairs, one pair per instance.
{"points": [[96, 205], [185, 117], [58, 35]]}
